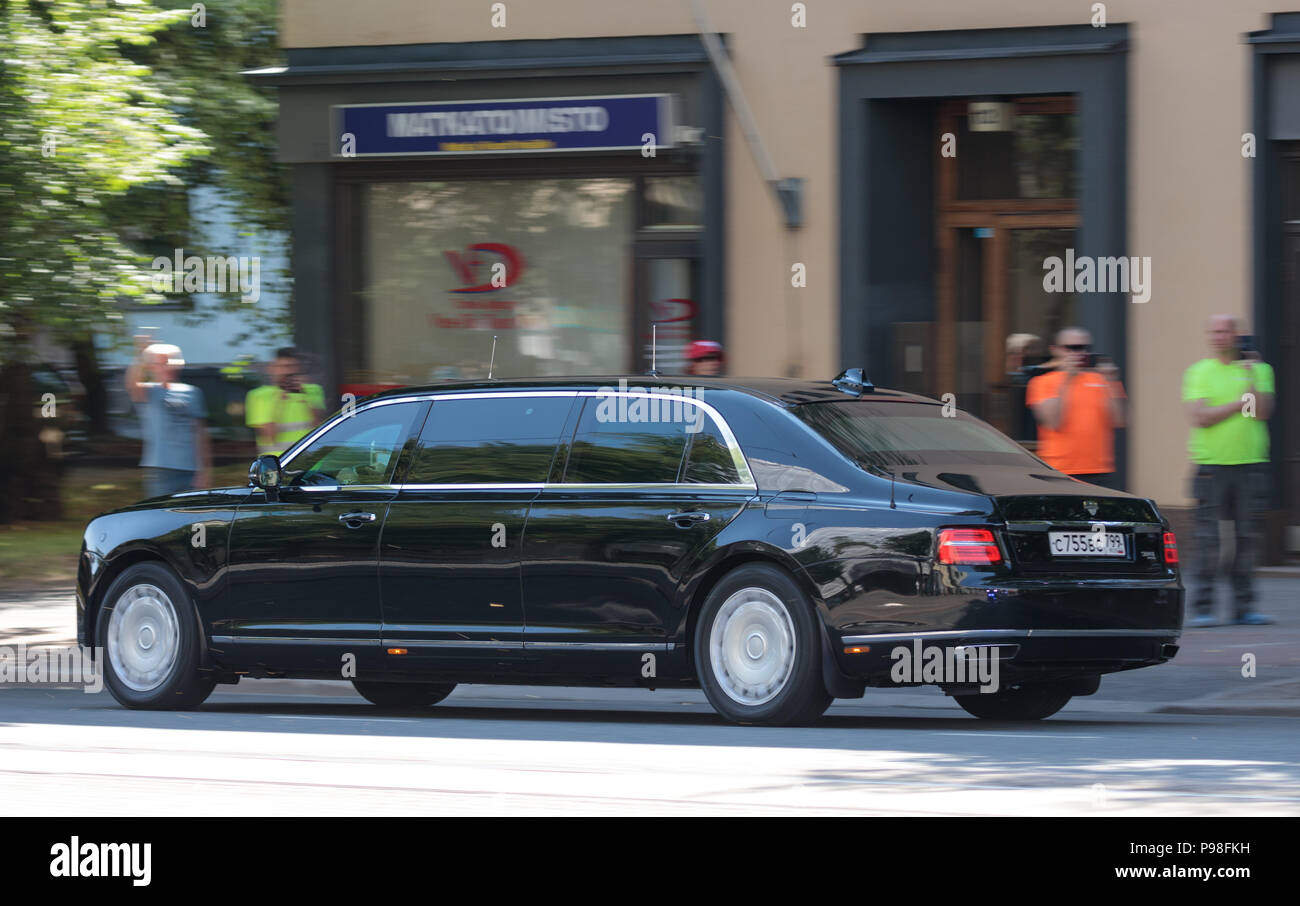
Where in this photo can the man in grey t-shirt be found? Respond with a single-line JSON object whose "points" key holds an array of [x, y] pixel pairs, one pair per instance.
{"points": [[177, 452]]}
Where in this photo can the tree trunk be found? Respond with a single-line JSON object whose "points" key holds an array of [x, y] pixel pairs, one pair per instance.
{"points": [[29, 479], [92, 379]]}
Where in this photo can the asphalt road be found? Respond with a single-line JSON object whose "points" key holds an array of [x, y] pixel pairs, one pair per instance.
{"points": [[526, 750], [268, 747]]}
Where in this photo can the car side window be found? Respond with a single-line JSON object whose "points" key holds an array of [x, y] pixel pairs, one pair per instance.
{"points": [[708, 458], [617, 444], [506, 440], [361, 449]]}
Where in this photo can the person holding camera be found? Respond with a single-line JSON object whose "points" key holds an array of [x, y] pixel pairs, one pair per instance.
{"points": [[176, 450], [1078, 406], [1228, 397], [284, 410]]}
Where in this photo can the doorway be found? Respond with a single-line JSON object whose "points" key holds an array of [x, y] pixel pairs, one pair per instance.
{"points": [[1005, 203]]}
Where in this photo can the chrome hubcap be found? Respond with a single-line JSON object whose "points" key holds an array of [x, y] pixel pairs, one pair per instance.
{"points": [[751, 646], [143, 637]]}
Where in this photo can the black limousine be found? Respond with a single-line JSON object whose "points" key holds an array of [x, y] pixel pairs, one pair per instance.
{"points": [[779, 543]]}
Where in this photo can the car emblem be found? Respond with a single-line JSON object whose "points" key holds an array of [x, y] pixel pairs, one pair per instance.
{"points": [[1091, 507]]}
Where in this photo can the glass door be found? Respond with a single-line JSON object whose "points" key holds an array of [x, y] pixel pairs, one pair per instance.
{"points": [[1005, 206]]}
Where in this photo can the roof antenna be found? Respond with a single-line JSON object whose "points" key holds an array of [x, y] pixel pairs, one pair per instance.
{"points": [[492, 361], [654, 343]]}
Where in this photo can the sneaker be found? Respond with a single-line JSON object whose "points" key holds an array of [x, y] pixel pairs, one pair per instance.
{"points": [[1253, 618], [1203, 621]]}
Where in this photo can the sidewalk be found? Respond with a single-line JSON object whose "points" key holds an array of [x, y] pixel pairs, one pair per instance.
{"points": [[1205, 678]]}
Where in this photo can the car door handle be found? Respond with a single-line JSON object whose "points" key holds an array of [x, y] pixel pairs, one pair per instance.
{"points": [[686, 520], [355, 520]]}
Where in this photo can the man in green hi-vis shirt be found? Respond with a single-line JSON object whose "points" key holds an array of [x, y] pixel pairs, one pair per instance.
{"points": [[1228, 398], [286, 409]]}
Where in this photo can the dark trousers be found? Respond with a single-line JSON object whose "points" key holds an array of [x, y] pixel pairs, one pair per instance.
{"points": [[1238, 493]]}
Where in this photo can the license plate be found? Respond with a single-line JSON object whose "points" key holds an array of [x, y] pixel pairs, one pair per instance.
{"points": [[1086, 544]]}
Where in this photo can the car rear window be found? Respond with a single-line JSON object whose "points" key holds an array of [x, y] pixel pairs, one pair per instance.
{"points": [[887, 435]]}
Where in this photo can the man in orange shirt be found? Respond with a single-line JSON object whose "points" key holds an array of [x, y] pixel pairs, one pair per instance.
{"points": [[1078, 409]]}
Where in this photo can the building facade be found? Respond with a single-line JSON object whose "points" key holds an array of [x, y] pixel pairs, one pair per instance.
{"points": [[574, 178]]}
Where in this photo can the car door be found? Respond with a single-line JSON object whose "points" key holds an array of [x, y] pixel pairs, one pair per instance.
{"points": [[607, 547], [449, 557], [304, 558]]}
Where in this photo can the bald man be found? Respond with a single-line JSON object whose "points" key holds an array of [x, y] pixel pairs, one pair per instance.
{"points": [[176, 452], [1228, 397], [1078, 407]]}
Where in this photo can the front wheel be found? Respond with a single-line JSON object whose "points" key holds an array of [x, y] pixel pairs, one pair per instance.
{"points": [[150, 638], [758, 650], [1020, 703], [406, 696]]}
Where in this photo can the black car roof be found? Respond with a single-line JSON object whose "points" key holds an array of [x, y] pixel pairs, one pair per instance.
{"points": [[784, 391]]}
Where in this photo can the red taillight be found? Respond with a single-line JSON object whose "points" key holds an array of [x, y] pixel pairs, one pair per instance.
{"points": [[964, 545], [1171, 548]]}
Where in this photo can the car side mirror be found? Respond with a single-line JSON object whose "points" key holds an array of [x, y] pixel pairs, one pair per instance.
{"points": [[265, 472]]}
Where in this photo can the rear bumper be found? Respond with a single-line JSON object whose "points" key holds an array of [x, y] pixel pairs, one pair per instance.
{"points": [[1023, 654]]}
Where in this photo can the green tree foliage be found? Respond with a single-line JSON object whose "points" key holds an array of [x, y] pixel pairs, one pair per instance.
{"points": [[109, 110]]}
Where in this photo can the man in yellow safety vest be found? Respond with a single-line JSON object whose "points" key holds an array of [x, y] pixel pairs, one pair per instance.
{"points": [[284, 410]]}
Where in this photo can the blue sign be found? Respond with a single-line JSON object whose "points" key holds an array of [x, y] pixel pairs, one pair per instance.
{"points": [[533, 125]]}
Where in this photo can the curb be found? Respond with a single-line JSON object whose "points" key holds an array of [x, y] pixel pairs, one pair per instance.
{"points": [[1277, 698]]}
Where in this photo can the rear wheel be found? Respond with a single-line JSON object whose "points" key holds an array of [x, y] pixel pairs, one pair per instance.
{"points": [[403, 695], [1019, 703], [151, 641], [758, 650]]}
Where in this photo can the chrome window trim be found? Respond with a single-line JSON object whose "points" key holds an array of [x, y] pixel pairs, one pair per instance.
{"points": [[306, 442], [737, 454], [339, 487], [645, 486], [507, 394], [533, 486]]}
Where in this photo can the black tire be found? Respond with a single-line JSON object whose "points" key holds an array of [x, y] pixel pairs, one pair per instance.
{"points": [[787, 690], [136, 675], [1033, 702], [406, 696]]}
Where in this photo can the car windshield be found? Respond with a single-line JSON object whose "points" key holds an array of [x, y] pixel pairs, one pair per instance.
{"points": [[884, 436]]}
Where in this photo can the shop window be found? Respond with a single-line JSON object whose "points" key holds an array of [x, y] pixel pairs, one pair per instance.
{"points": [[672, 203], [542, 264]]}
